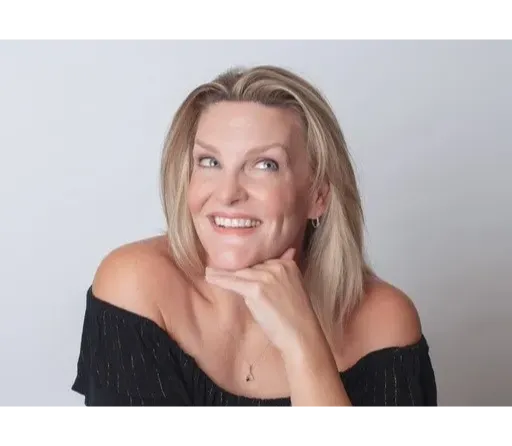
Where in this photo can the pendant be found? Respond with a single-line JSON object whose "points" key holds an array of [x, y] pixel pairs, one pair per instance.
{"points": [[250, 376]]}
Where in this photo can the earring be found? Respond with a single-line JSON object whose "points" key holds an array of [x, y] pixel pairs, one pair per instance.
{"points": [[315, 222]]}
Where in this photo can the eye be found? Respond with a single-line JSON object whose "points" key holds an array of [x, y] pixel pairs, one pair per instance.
{"points": [[207, 161], [268, 165]]}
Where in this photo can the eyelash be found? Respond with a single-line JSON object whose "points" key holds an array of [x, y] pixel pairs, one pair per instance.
{"points": [[266, 160]]}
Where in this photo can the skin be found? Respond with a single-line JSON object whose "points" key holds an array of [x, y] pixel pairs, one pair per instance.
{"points": [[251, 159], [252, 285]]}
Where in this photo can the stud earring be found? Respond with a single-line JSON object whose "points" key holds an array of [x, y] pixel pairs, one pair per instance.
{"points": [[315, 222]]}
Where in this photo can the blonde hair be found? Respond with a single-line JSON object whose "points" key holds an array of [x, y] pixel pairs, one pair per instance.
{"points": [[335, 267]]}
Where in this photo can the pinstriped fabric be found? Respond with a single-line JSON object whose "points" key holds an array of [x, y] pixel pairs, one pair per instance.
{"points": [[128, 360]]}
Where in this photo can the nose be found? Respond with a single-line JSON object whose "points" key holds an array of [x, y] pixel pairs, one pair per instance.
{"points": [[230, 190]]}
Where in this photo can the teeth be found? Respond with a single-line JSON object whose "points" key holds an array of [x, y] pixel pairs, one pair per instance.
{"points": [[236, 222]]}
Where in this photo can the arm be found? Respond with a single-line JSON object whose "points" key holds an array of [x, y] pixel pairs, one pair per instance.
{"points": [[313, 375], [275, 295], [396, 368]]}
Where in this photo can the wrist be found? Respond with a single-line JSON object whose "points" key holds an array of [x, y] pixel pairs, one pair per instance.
{"points": [[309, 348], [313, 374]]}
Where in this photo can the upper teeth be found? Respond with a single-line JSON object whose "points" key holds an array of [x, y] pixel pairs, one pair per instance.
{"points": [[236, 222]]}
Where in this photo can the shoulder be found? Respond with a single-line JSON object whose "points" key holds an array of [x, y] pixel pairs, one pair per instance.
{"points": [[127, 363], [391, 314], [387, 317], [133, 276]]}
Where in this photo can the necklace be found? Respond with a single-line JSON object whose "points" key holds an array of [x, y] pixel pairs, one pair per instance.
{"points": [[250, 375]]}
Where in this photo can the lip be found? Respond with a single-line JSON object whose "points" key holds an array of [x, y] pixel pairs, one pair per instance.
{"points": [[229, 215], [239, 231]]}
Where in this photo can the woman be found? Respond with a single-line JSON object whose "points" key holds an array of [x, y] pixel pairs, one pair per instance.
{"points": [[259, 292]]}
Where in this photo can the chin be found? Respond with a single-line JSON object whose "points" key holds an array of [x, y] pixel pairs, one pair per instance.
{"points": [[231, 261]]}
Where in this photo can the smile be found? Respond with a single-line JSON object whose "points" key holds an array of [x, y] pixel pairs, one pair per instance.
{"points": [[224, 222]]}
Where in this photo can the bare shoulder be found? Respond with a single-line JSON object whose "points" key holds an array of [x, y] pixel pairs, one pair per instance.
{"points": [[133, 276], [387, 317]]}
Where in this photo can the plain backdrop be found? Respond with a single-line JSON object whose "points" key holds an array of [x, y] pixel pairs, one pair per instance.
{"points": [[429, 128]]}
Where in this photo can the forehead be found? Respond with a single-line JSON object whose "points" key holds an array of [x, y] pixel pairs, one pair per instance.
{"points": [[247, 124]]}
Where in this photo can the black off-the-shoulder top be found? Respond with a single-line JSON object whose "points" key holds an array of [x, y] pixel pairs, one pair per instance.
{"points": [[127, 360]]}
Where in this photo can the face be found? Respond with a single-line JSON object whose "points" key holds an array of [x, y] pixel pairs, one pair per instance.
{"points": [[248, 192]]}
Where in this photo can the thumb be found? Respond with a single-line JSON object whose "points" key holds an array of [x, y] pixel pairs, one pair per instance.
{"points": [[288, 254]]}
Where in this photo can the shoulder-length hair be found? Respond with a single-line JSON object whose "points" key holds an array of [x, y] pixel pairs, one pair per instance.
{"points": [[335, 268]]}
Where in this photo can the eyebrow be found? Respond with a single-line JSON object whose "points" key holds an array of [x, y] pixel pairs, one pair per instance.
{"points": [[257, 149]]}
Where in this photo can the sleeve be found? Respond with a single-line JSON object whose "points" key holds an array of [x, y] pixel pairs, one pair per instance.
{"points": [[401, 376], [126, 360]]}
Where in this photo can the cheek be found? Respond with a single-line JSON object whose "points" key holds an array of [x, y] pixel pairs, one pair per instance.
{"points": [[282, 199], [198, 192]]}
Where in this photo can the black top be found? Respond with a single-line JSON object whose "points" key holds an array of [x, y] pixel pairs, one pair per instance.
{"points": [[128, 360]]}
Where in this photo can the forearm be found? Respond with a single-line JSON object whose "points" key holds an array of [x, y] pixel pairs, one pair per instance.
{"points": [[313, 375]]}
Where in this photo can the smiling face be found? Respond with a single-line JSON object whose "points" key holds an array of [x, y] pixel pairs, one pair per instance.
{"points": [[249, 191]]}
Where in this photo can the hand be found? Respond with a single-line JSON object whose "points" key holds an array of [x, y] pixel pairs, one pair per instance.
{"points": [[275, 295]]}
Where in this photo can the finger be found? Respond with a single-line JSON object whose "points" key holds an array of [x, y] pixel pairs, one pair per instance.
{"points": [[289, 254], [232, 283], [211, 270], [246, 273], [260, 267], [281, 264], [276, 266]]}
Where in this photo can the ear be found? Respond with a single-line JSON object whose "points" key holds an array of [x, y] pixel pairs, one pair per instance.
{"points": [[319, 201]]}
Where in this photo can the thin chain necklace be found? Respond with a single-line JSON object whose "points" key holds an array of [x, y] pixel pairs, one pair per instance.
{"points": [[250, 375]]}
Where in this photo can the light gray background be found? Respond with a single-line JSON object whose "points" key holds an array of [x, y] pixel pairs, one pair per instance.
{"points": [[429, 127]]}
